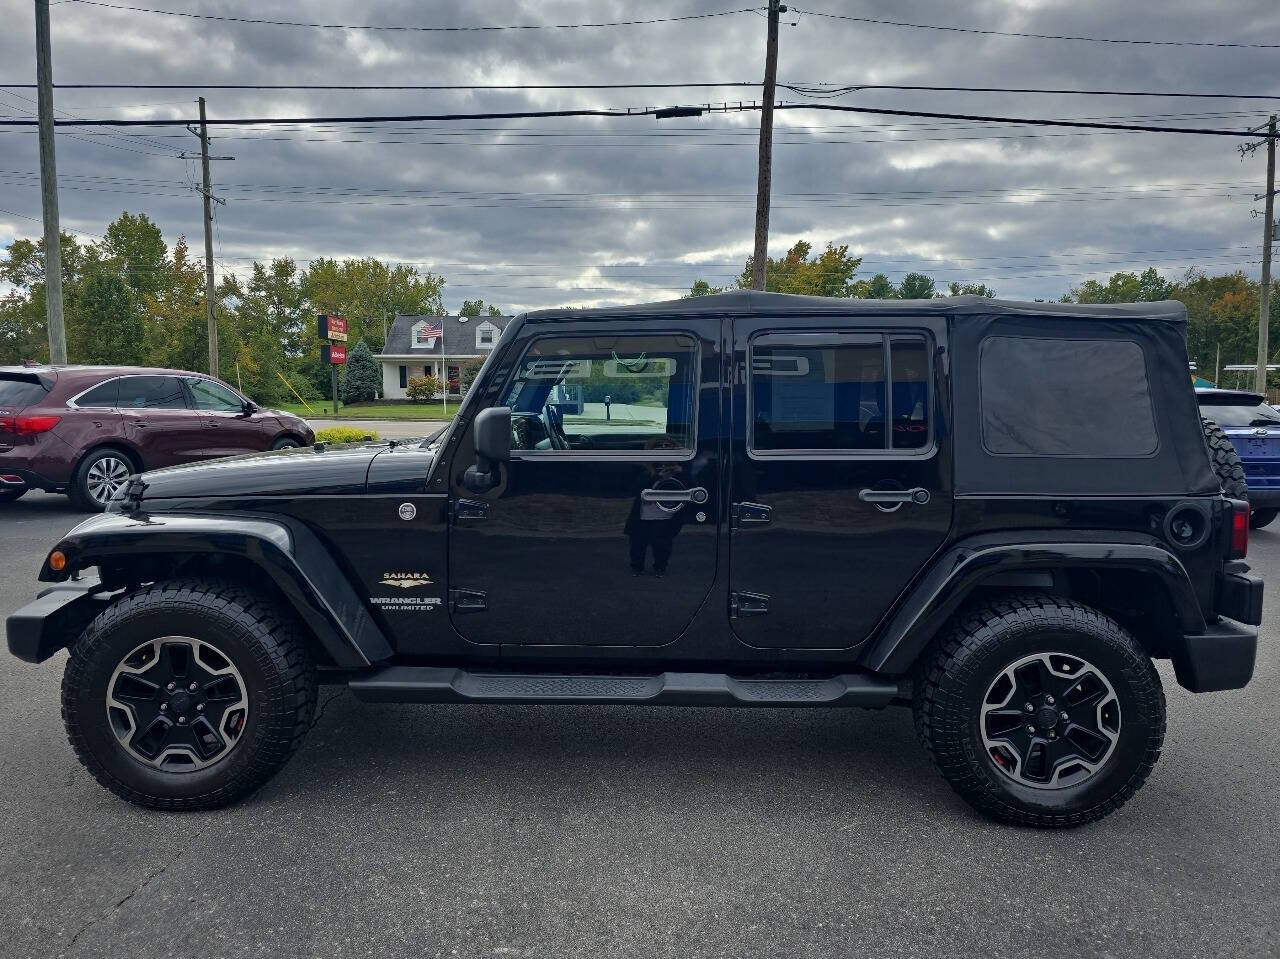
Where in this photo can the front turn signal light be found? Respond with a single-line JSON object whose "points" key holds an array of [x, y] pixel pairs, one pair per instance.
{"points": [[57, 561]]}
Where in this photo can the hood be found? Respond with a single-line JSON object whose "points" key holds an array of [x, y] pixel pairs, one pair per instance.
{"points": [[282, 473]]}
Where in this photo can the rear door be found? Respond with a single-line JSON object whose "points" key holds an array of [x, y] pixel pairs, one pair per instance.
{"points": [[841, 478], [158, 421], [229, 430]]}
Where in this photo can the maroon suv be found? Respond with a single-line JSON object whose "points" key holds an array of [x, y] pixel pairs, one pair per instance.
{"points": [[84, 429]]}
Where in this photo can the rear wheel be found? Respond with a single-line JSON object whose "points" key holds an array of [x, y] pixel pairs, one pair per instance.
{"points": [[1261, 517], [99, 477], [1040, 711], [187, 695]]}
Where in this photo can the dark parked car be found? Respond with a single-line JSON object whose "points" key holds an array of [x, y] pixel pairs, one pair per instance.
{"points": [[1253, 428], [84, 430], [808, 502]]}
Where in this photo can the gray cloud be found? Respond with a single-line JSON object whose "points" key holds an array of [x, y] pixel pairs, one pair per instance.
{"points": [[530, 214]]}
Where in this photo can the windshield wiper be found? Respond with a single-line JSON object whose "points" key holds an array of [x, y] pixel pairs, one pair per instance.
{"points": [[1264, 422]]}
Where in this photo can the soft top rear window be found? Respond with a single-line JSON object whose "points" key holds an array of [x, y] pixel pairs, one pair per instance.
{"points": [[1042, 396], [1260, 415], [17, 392]]}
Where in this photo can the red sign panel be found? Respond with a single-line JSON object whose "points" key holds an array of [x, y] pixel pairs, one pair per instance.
{"points": [[331, 327], [337, 355]]}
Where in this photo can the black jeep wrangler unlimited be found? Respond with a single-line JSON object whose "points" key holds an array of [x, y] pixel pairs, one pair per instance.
{"points": [[998, 513]]}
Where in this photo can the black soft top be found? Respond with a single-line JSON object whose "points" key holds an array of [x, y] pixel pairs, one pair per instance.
{"points": [[1080, 400], [960, 307]]}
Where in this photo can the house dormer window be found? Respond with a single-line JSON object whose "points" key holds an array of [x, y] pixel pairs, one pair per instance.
{"points": [[486, 335], [426, 333]]}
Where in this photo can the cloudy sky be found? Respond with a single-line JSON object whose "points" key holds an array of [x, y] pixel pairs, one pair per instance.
{"points": [[586, 211]]}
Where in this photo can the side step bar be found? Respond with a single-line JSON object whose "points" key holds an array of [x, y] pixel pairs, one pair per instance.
{"points": [[429, 684]]}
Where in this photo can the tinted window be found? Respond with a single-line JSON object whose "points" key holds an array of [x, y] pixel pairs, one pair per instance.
{"points": [[609, 393], [1053, 397], [209, 395], [1260, 415], [151, 392], [15, 394], [102, 395], [827, 391]]}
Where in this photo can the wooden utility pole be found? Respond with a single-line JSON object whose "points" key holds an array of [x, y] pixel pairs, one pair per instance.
{"points": [[49, 190], [1268, 231], [760, 258], [207, 195]]}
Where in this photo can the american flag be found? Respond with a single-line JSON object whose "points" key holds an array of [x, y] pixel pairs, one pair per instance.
{"points": [[428, 333]]}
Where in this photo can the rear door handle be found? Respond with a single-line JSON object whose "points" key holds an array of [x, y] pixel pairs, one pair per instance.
{"points": [[919, 495], [672, 496]]}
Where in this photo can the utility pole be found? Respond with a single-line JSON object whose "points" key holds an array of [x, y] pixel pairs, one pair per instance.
{"points": [[207, 195], [760, 258], [49, 190], [1268, 233]]}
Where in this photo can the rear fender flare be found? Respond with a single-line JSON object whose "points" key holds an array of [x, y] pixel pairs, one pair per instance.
{"points": [[287, 552], [957, 573]]}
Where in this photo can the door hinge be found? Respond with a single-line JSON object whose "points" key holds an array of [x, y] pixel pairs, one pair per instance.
{"points": [[468, 601], [751, 514], [742, 605], [469, 511]]}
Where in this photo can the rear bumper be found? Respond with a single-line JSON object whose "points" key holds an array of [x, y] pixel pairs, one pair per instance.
{"points": [[1221, 657], [33, 475]]}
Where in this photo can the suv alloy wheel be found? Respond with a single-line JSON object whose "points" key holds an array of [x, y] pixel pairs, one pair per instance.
{"points": [[1040, 711]]}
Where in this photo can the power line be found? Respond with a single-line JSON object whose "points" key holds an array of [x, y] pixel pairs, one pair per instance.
{"points": [[799, 88], [403, 28], [651, 111], [1029, 36]]}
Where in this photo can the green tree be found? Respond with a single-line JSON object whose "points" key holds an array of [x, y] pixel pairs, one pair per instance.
{"points": [[467, 375], [828, 274], [363, 380], [134, 246], [916, 286], [702, 288], [477, 308], [369, 293], [879, 287], [1123, 288], [970, 289], [108, 325]]}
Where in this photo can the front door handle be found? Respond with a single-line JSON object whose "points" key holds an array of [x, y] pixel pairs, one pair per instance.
{"points": [[919, 496], [668, 497]]}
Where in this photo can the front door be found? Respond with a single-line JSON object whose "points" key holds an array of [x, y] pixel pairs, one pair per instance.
{"points": [[603, 528], [229, 430], [841, 485]]}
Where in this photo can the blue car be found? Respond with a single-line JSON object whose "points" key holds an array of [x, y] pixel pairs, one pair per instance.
{"points": [[1254, 430]]}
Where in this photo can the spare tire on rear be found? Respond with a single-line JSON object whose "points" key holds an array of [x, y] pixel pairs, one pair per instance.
{"points": [[1225, 461]]}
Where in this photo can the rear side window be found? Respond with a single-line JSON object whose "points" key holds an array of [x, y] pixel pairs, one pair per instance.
{"points": [[1053, 397], [102, 395], [18, 393], [152, 393], [855, 392]]}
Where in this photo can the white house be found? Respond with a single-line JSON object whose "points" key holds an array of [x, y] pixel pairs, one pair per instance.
{"points": [[435, 346]]}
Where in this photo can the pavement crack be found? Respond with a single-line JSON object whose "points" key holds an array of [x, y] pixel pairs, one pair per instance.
{"points": [[324, 706], [146, 881]]}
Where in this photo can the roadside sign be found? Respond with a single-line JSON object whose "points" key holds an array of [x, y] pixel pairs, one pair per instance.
{"points": [[331, 328], [336, 355]]}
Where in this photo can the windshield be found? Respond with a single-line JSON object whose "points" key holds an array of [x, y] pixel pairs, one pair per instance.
{"points": [[18, 393], [1260, 415]]}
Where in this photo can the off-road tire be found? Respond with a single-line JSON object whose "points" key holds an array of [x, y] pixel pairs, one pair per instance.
{"points": [[12, 495], [262, 642], [976, 647], [78, 491], [1259, 518], [1225, 460]]}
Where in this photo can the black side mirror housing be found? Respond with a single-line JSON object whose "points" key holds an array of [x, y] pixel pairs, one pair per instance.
{"points": [[491, 434], [250, 407]]}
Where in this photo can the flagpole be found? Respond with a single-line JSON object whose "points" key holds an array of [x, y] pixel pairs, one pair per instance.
{"points": [[444, 369]]}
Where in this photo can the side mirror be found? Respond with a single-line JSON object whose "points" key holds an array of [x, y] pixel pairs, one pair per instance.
{"points": [[250, 407], [492, 436]]}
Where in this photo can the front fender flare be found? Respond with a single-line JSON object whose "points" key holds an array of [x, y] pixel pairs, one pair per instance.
{"points": [[955, 575], [284, 550]]}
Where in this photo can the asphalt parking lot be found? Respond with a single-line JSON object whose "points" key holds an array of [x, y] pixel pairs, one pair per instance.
{"points": [[624, 831]]}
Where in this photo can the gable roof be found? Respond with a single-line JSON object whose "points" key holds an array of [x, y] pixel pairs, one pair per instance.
{"points": [[459, 335]]}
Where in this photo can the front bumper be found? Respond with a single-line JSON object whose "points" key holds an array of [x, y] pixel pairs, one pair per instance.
{"points": [[54, 619]]}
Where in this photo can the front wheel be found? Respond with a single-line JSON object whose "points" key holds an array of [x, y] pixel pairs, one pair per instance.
{"points": [[285, 443], [187, 695], [1040, 711]]}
